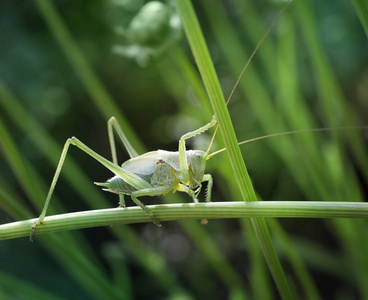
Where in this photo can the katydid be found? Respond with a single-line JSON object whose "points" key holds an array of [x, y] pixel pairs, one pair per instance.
{"points": [[151, 174]]}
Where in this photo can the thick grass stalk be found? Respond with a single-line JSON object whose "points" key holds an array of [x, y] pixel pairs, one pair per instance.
{"points": [[206, 68], [189, 211]]}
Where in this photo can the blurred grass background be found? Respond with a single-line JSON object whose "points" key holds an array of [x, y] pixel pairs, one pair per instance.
{"points": [[59, 78]]}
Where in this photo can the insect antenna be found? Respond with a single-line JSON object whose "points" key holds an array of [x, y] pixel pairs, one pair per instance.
{"points": [[287, 133], [247, 64]]}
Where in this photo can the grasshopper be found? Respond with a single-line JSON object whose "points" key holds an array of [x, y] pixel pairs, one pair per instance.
{"points": [[151, 174]]}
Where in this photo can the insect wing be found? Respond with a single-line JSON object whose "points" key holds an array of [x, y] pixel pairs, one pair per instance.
{"points": [[144, 164], [172, 158]]}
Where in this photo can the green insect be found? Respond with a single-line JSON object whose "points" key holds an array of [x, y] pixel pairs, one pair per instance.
{"points": [[151, 174], [162, 171]]}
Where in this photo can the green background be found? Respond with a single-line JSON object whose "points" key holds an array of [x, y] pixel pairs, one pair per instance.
{"points": [[310, 72]]}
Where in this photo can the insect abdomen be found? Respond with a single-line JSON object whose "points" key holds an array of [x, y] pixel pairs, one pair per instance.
{"points": [[117, 185]]}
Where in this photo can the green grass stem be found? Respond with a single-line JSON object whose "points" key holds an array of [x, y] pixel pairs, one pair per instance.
{"points": [[189, 211], [209, 77]]}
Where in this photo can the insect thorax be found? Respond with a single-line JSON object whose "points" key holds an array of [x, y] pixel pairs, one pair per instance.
{"points": [[164, 175]]}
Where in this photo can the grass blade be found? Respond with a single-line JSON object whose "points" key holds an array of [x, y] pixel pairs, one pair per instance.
{"points": [[204, 62]]}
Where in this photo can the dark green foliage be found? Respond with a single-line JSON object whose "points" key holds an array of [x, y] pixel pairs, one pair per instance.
{"points": [[59, 78]]}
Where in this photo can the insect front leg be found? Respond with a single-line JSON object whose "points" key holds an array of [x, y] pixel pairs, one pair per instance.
{"points": [[208, 178], [186, 189], [194, 194], [182, 150], [190, 192]]}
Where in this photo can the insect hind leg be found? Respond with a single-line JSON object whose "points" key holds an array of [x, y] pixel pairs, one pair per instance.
{"points": [[51, 190], [132, 179], [112, 125], [155, 191]]}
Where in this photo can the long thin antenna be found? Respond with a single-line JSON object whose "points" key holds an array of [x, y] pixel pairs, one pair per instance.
{"points": [[288, 132], [248, 62], [256, 49]]}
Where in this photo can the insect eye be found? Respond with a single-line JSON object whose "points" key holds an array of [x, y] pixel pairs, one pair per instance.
{"points": [[198, 155]]}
